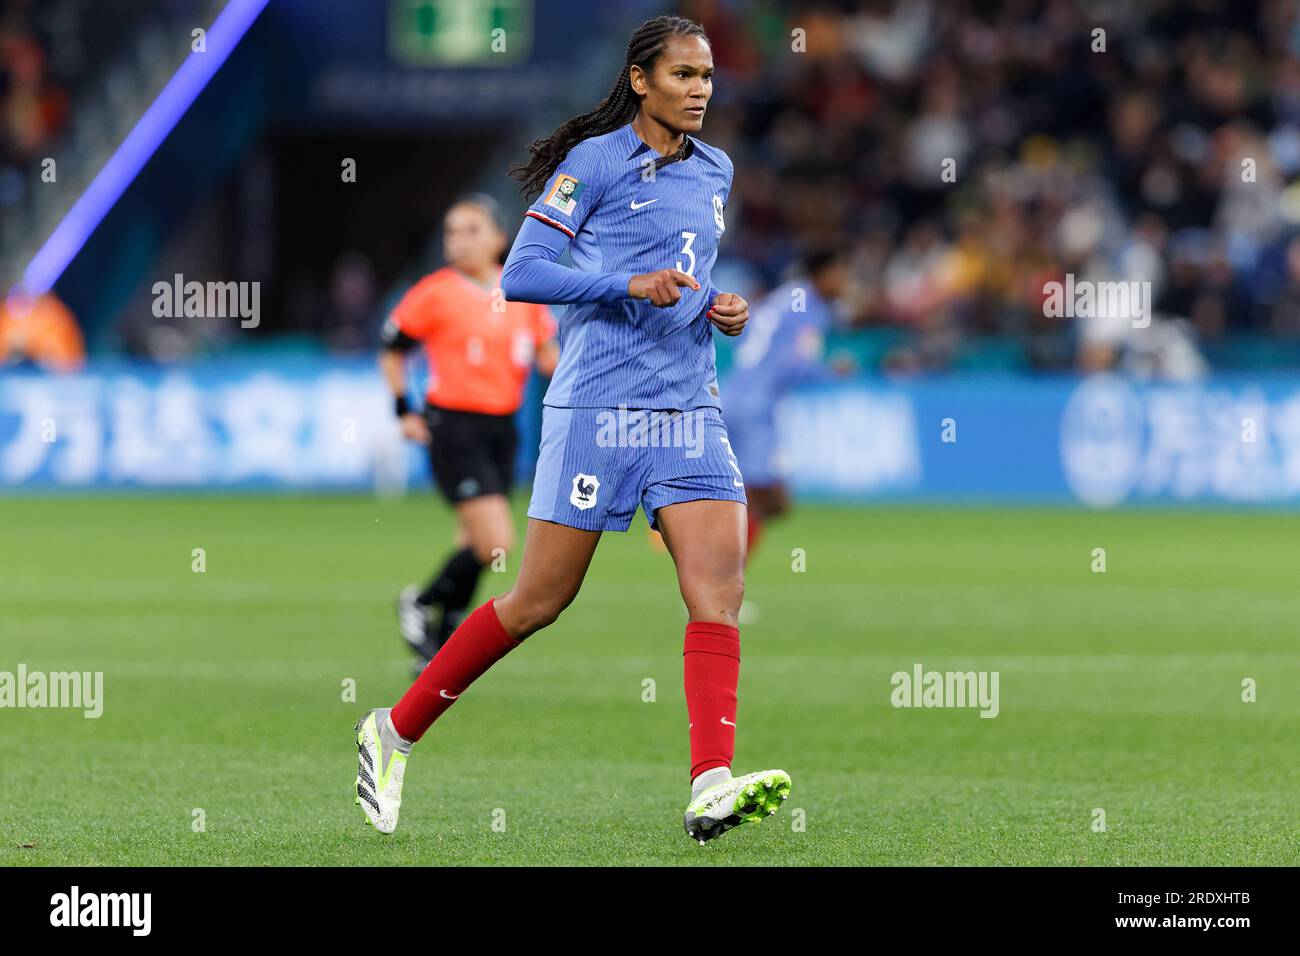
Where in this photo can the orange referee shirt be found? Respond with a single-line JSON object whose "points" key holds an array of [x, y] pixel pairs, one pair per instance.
{"points": [[44, 331], [479, 357]]}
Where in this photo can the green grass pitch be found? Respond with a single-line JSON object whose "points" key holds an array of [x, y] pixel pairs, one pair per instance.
{"points": [[224, 691]]}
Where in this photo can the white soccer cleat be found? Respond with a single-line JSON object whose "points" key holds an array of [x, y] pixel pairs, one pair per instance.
{"points": [[414, 620], [379, 774], [747, 799]]}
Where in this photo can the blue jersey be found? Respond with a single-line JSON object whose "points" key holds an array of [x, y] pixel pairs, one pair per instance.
{"points": [[625, 217], [783, 345]]}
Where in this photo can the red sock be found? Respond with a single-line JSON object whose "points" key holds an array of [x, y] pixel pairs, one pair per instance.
{"points": [[476, 645], [712, 659], [753, 531]]}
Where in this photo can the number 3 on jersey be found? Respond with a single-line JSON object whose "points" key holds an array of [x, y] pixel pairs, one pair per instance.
{"points": [[686, 250]]}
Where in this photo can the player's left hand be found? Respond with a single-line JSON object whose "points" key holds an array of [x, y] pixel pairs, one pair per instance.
{"points": [[729, 313]]}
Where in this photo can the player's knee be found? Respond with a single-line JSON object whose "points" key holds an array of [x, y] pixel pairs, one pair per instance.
{"points": [[733, 581], [733, 595], [528, 615], [718, 599], [535, 617], [737, 593]]}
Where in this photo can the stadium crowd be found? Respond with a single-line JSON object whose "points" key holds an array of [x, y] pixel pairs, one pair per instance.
{"points": [[967, 153], [1154, 142]]}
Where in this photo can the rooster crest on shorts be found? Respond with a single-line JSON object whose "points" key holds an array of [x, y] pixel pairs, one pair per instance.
{"points": [[583, 495]]}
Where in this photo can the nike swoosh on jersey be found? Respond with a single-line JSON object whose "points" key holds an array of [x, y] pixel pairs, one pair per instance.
{"points": [[638, 205], [727, 722], [447, 695]]}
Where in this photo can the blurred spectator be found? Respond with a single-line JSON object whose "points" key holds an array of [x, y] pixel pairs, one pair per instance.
{"points": [[351, 319], [33, 105], [40, 331]]}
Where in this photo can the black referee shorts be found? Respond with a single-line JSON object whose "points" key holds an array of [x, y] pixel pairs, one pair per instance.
{"points": [[471, 454]]}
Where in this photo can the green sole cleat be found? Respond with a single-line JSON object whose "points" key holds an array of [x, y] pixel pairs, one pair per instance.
{"points": [[748, 799], [378, 785]]}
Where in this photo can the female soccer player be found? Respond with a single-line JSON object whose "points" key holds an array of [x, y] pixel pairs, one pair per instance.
{"points": [[480, 350], [632, 414]]}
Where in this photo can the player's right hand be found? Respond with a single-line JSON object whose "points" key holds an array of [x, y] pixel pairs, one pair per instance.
{"points": [[662, 287], [414, 428]]}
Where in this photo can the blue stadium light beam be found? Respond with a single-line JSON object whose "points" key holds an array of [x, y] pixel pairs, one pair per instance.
{"points": [[75, 229]]}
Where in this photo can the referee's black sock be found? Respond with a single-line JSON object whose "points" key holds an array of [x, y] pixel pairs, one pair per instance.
{"points": [[454, 585]]}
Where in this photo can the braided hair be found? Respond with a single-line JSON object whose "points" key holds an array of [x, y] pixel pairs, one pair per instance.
{"points": [[615, 110]]}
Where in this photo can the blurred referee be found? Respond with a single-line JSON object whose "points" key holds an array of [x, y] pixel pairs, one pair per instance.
{"points": [[480, 349]]}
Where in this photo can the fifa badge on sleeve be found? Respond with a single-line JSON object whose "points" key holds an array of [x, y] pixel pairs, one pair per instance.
{"points": [[564, 194]]}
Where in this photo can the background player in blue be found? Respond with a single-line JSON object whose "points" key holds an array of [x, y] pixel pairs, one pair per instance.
{"points": [[785, 348], [632, 414]]}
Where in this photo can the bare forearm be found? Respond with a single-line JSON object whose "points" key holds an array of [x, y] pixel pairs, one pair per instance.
{"points": [[393, 366]]}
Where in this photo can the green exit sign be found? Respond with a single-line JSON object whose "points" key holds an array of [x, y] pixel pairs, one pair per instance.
{"points": [[460, 32]]}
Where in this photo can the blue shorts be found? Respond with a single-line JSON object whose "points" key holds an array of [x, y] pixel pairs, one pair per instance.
{"points": [[597, 464], [753, 439]]}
